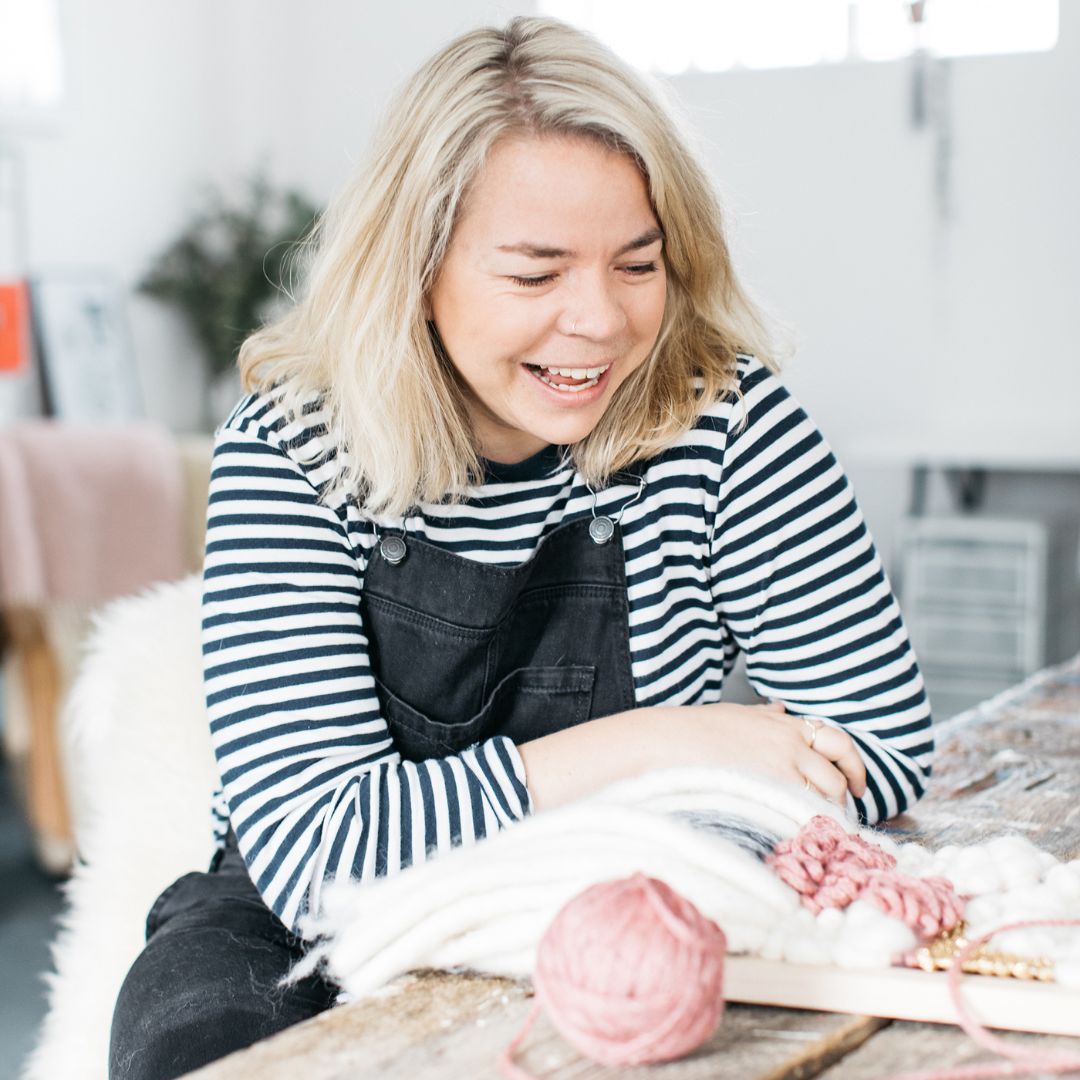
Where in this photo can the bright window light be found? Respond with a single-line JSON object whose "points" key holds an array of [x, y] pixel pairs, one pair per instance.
{"points": [[722, 35], [31, 65]]}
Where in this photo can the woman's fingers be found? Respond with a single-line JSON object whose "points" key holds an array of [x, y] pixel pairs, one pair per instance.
{"points": [[768, 737], [825, 777], [831, 743], [838, 747]]}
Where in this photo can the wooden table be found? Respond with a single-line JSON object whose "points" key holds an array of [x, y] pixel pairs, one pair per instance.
{"points": [[1009, 765]]}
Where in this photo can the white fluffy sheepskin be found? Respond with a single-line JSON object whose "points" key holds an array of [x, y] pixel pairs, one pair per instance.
{"points": [[137, 723]]}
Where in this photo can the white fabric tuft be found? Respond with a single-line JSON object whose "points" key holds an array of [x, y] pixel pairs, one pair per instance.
{"points": [[137, 723]]}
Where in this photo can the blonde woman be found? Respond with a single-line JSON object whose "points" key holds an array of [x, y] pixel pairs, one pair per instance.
{"points": [[514, 484]]}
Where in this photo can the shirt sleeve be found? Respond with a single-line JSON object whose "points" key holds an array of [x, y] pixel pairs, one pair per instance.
{"points": [[315, 788], [800, 586]]}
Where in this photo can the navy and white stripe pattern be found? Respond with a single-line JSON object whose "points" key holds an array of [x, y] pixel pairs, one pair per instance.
{"points": [[741, 539]]}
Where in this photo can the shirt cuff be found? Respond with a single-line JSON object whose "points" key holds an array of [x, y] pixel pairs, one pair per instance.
{"points": [[497, 765]]}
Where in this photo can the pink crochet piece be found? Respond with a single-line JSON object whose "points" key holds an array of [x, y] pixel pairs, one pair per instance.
{"points": [[829, 868], [927, 905]]}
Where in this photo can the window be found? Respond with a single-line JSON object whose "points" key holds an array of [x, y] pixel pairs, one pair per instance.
{"points": [[675, 36], [31, 68]]}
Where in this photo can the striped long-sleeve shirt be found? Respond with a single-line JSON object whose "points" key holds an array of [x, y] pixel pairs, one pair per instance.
{"points": [[743, 538]]}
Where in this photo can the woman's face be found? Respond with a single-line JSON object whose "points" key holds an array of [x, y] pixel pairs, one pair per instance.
{"points": [[552, 291]]}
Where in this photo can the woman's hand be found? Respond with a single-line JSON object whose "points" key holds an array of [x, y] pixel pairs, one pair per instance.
{"points": [[770, 740], [576, 761]]}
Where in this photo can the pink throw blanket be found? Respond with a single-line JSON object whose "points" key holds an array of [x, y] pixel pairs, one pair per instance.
{"points": [[88, 512]]}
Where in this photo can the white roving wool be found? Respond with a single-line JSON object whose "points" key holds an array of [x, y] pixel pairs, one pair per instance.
{"points": [[486, 906], [138, 722], [1009, 879]]}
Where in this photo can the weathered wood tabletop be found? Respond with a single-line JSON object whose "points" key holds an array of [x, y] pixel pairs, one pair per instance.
{"points": [[1010, 765]]}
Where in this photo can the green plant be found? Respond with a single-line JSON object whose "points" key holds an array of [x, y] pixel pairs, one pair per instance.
{"points": [[224, 271]]}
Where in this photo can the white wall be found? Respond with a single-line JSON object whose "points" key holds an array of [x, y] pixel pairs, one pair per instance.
{"points": [[306, 82], [839, 228]]}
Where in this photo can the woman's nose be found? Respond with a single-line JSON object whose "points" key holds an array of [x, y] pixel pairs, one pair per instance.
{"points": [[595, 310]]}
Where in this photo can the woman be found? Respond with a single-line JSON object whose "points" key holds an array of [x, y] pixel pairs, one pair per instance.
{"points": [[514, 485]]}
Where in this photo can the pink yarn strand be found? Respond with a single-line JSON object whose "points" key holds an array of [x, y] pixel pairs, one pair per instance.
{"points": [[1023, 1062], [680, 922], [506, 1064]]}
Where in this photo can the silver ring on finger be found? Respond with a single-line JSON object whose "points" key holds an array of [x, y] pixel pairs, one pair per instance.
{"points": [[815, 725], [807, 785]]}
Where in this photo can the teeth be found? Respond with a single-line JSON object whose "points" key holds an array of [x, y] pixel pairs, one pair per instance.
{"points": [[566, 389], [577, 373]]}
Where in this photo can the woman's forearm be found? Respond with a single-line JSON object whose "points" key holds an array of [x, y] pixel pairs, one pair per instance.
{"points": [[570, 764]]}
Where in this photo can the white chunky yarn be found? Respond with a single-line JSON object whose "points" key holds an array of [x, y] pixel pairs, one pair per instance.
{"points": [[486, 906]]}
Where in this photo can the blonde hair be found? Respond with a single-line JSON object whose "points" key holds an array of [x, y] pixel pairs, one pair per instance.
{"points": [[358, 336]]}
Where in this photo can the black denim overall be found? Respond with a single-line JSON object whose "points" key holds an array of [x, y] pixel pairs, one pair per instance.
{"points": [[464, 650], [461, 651]]}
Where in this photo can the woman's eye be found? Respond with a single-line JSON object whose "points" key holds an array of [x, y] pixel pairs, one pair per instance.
{"points": [[634, 270], [532, 282]]}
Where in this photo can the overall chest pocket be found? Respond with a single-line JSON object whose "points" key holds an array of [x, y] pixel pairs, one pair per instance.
{"points": [[526, 704], [426, 666]]}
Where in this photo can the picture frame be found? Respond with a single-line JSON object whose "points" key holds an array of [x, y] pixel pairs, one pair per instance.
{"points": [[88, 371]]}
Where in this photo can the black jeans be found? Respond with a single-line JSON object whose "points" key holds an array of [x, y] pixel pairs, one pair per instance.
{"points": [[206, 982]]}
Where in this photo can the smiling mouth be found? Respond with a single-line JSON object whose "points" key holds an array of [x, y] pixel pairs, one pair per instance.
{"points": [[569, 380]]}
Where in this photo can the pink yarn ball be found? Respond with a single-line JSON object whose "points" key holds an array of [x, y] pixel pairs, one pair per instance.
{"points": [[631, 973]]}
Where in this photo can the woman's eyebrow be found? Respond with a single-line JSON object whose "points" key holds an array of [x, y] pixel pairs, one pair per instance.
{"points": [[648, 237], [538, 251]]}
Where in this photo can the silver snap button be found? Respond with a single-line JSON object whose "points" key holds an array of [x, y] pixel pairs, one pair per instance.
{"points": [[601, 530], [392, 549]]}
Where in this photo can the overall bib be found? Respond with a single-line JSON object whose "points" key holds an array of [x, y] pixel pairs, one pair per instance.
{"points": [[463, 650], [460, 651]]}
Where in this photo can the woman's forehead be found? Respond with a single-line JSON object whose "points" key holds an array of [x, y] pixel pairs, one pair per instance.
{"points": [[538, 194]]}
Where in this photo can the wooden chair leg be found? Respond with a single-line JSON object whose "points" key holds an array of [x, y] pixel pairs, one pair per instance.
{"points": [[47, 806]]}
